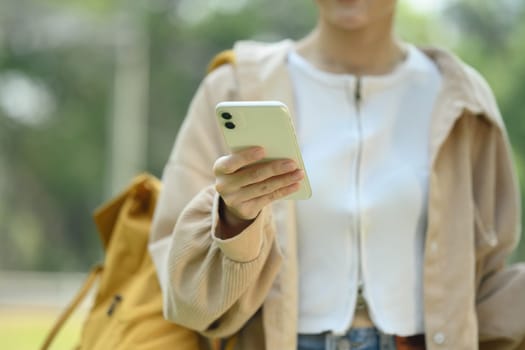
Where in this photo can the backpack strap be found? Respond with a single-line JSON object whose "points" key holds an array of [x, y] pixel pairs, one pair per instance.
{"points": [[81, 295], [245, 66], [222, 58]]}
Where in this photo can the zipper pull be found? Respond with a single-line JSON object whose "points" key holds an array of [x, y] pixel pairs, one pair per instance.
{"points": [[361, 301], [116, 300], [357, 91]]}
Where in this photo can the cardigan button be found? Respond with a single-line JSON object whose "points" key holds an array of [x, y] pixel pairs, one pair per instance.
{"points": [[439, 338]]}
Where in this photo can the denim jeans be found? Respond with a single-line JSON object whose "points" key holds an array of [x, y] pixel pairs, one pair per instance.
{"points": [[355, 339]]}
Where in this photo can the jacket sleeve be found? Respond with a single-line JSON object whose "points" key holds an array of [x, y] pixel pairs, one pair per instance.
{"points": [[500, 288], [210, 285]]}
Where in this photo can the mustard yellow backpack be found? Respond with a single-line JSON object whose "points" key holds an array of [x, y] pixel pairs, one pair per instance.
{"points": [[127, 310]]}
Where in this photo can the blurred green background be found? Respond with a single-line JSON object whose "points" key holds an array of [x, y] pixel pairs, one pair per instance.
{"points": [[92, 92]]}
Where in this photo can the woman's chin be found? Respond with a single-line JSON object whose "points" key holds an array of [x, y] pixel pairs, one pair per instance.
{"points": [[350, 22]]}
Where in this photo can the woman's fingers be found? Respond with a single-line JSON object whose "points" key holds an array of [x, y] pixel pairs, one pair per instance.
{"points": [[250, 209], [269, 185], [247, 185], [248, 201], [232, 163], [261, 172], [254, 174], [261, 202]]}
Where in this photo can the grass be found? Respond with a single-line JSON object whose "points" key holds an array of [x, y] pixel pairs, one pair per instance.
{"points": [[26, 328]]}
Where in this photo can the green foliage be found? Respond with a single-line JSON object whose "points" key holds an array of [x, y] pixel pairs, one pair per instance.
{"points": [[56, 168], [99, 7]]}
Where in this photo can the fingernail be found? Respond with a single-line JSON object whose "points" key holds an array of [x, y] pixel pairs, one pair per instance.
{"points": [[298, 175]]}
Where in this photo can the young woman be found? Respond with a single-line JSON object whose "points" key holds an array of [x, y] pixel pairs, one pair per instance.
{"points": [[414, 208]]}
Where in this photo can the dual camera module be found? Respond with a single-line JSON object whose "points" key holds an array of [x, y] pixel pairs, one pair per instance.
{"points": [[227, 116]]}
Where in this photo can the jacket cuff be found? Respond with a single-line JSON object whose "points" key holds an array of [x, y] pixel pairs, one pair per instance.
{"points": [[247, 245]]}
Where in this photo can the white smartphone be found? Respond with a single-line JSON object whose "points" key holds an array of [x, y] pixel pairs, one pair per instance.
{"points": [[267, 124]]}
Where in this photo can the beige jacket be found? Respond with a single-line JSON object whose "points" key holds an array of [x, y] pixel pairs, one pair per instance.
{"points": [[248, 284]]}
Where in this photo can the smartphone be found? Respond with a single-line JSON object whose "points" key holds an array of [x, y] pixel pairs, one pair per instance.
{"points": [[267, 124]]}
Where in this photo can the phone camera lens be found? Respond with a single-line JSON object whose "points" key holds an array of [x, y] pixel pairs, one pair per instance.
{"points": [[226, 115], [229, 125]]}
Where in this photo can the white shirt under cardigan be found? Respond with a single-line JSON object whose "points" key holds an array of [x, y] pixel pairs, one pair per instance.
{"points": [[366, 155]]}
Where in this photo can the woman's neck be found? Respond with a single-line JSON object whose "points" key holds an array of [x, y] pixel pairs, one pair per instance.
{"points": [[372, 50]]}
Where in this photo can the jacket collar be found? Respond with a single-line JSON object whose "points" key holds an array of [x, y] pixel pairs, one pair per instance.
{"points": [[465, 85], [463, 91]]}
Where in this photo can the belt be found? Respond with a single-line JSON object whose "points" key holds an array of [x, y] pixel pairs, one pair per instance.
{"points": [[414, 342]]}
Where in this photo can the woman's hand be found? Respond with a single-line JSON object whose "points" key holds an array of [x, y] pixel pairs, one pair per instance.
{"points": [[246, 187]]}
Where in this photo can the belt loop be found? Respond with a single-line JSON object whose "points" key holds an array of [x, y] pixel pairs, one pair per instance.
{"points": [[386, 341], [330, 341]]}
